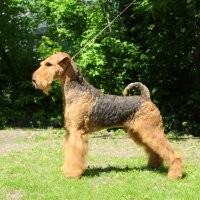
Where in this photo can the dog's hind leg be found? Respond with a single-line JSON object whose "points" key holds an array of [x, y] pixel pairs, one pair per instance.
{"points": [[155, 161], [147, 125]]}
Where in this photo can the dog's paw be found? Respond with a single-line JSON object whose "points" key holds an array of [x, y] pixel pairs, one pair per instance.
{"points": [[73, 174]]}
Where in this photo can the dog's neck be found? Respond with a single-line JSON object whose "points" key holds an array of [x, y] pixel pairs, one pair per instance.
{"points": [[73, 80], [71, 73]]}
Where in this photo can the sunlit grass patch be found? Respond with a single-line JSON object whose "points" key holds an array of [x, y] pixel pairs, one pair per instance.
{"points": [[116, 170]]}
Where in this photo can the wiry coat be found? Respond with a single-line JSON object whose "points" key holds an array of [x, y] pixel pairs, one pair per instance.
{"points": [[87, 109], [105, 111]]}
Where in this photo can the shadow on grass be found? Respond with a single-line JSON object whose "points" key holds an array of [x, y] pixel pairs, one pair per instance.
{"points": [[111, 135], [97, 171]]}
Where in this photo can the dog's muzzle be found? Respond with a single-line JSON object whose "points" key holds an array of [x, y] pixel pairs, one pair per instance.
{"points": [[34, 83]]}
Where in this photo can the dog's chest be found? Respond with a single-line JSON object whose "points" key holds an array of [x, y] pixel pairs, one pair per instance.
{"points": [[113, 111]]}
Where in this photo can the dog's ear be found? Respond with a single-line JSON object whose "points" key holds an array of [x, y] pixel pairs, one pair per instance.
{"points": [[58, 57]]}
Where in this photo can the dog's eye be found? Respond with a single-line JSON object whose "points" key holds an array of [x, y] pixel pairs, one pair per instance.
{"points": [[48, 64]]}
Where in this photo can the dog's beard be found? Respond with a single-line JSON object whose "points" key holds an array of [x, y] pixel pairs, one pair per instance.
{"points": [[45, 87]]}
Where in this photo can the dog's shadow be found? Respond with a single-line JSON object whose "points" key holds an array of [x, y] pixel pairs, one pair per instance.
{"points": [[97, 171]]}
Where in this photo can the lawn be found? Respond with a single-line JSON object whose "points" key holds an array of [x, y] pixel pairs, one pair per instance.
{"points": [[30, 162]]}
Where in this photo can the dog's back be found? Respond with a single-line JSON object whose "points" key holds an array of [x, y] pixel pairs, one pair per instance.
{"points": [[112, 111]]}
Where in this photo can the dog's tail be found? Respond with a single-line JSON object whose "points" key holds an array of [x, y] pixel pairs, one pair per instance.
{"points": [[144, 91]]}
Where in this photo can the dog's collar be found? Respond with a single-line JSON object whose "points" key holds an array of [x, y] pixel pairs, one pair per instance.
{"points": [[77, 72], [66, 68]]}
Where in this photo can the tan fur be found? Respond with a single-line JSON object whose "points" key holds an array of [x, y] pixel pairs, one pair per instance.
{"points": [[144, 127]]}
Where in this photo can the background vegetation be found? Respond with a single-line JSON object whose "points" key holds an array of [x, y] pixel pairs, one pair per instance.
{"points": [[155, 42]]}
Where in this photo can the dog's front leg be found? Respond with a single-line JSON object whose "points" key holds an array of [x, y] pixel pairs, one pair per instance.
{"points": [[75, 151]]}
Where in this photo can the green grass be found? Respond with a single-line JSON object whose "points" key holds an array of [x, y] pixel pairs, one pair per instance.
{"points": [[113, 173]]}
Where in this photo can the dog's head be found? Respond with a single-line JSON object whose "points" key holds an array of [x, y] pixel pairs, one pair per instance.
{"points": [[58, 66]]}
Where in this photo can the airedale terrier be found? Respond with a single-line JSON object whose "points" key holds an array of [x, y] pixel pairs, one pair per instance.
{"points": [[87, 109]]}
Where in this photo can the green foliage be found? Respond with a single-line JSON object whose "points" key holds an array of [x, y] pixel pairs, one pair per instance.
{"points": [[154, 42]]}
